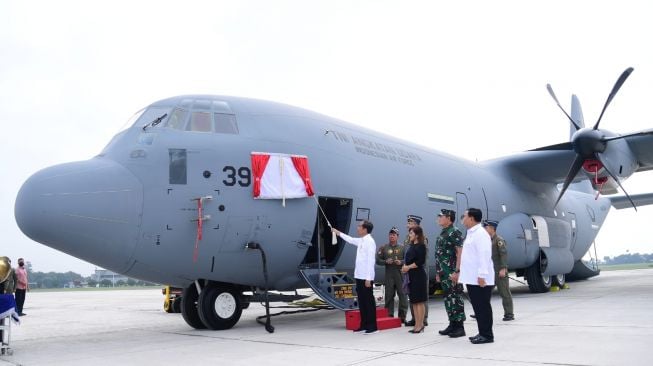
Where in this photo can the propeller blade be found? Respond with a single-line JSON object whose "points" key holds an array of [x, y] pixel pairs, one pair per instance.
{"points": [[598, 156], [553, 95], [573, 170], [639, 133], [562, 146], [615, 89]]}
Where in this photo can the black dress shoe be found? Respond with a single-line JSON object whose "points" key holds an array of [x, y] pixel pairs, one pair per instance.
{"points": [[480, 340], [416, 331], [474, 337], [473, 316], [446, 330], [426, 324], [507, 318], [457, 332], [410, 323]]}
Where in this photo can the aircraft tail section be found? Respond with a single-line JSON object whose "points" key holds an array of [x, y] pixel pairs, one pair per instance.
{"points": [[582, 271], [576, 115]]}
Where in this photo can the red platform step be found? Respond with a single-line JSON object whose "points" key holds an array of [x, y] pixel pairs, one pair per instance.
{"points": [[383, 321]]}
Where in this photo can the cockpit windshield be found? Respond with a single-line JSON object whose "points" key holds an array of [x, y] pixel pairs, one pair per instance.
{"points": [[152, 116], [190, 114]]}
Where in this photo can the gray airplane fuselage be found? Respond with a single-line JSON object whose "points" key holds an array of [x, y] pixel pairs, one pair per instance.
{"points": [[133, 208]]}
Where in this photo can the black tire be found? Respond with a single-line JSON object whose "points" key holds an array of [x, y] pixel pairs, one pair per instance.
{"points": [[220, 306], [176, 305], [189, 309], [537, 282], [559, 280]]}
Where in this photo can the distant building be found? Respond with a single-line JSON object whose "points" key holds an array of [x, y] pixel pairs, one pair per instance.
{"points": [[105, 274]]}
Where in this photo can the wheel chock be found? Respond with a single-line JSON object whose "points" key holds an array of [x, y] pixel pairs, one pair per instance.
{"points": [[566, 287], [554, 288], [438, 292]]}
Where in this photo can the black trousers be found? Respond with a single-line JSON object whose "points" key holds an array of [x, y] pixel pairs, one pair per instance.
{"points": [[480, 298], [366, 305], [20, 300]]}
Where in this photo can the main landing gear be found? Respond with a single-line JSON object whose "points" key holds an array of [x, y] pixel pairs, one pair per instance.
{"points": [[213, 305], [537, 282]]}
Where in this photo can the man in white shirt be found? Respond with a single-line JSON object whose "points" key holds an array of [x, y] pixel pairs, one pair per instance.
{"points": [[364, 275], [477, 272]]}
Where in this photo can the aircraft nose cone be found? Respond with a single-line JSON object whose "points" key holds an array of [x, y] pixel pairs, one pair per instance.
{"points": [[88, 209]]}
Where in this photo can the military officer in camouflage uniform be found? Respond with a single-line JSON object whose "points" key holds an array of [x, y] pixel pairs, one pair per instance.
{"points": [[500, 259], [411, 222], [391, 256], [449, 247]]}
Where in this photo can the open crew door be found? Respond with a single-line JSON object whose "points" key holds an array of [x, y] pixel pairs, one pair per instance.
{"points": [[338, 211], [335, 288]]}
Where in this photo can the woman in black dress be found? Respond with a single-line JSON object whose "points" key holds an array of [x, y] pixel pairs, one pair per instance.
{"points": [[414, 266]]}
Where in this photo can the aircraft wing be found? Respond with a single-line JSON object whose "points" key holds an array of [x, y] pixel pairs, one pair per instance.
{"points": [[642, 199], [552, 166], [642, 148], [546, 166]]}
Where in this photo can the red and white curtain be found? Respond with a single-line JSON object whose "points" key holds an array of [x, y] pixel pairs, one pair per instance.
{"points": [[281, 176]]}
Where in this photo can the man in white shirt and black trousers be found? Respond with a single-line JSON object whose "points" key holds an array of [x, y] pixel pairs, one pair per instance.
{"points": [[364, 275], [477, 272]]}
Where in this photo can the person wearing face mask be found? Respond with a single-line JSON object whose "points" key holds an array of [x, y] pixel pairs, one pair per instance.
{"points": [[22, 286]]}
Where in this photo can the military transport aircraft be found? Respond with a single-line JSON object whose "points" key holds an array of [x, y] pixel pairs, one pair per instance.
{"points": [[197, 183]]}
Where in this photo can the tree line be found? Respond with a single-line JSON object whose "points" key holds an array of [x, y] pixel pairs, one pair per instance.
{"points": [[629, 258], [72, 279]]}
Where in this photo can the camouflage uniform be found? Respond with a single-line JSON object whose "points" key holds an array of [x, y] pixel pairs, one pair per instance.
{"points": [[393, 278], [445, 264], [500, 259], [426, 269]]}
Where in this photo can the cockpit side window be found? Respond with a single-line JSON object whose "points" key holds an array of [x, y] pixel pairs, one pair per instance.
{"points": [[177, 119], [225, 123]]}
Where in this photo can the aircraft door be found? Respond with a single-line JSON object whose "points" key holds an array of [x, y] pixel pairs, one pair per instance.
{"points": [[338, 211], [462, 204]]}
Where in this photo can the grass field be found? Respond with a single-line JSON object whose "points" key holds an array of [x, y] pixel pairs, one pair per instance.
{"points": [[617, 267], [121, 288], [603, 267]]}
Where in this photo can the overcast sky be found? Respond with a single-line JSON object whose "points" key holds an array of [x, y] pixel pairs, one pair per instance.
{"points": [[437, 73]]}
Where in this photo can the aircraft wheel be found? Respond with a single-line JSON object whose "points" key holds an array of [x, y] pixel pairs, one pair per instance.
{"points": [[220, 306], [176, 305], [537, 282], [189, 307], [559, 280]]}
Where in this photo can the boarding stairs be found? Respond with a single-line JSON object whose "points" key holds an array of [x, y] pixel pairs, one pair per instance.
{"points": [[338, 289]]}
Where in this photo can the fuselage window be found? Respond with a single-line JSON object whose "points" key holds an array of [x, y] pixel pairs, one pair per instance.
{"points": [[200, 122], [225, 123], [177, 168], [177, 119]]}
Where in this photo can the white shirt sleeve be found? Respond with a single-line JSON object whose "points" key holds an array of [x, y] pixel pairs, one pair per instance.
{"points": [[350, 240], [484, 247]]}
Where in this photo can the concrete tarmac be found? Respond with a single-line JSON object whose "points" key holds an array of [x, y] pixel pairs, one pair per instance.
{"points": [[602, 321]]}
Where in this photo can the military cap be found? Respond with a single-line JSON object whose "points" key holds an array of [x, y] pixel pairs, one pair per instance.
{"points": [[492, 223], [451, 214], [415, 218], [394, 230]]}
